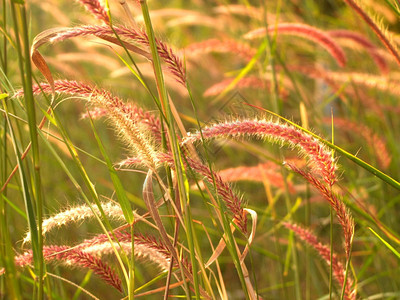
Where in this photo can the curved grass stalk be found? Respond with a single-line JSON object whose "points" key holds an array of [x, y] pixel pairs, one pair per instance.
{"points": [[137, 36], [233, 202]]}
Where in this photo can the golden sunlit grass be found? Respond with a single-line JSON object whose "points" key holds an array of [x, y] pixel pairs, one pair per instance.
{"points": [[249, 151]]}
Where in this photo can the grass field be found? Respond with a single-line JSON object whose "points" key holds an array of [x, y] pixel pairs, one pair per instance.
{"points": [[199, 149]]}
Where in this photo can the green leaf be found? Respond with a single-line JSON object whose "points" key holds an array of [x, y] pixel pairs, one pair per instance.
{"points": [[390, 247], [15, 208]]}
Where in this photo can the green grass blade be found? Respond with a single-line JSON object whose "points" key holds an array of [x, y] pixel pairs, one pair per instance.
{"points": [[181, 176], [6, 247], [390, 247], [29, 206], [36, 199], [125, 206], [119, 189], [106, 226], [14, 207]]}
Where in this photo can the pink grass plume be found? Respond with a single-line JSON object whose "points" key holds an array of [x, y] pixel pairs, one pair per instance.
{"points": [[324, 251], [305, 31], [319, 156]]}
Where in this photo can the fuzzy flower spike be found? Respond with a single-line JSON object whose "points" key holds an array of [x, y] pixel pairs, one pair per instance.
{"points": [[319, 156]]}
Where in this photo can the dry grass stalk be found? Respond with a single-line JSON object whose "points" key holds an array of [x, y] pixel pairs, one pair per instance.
{"points": [[232, 201], [324, 251]]}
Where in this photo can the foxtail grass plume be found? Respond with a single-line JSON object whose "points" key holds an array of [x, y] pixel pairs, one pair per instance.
{"points": [[137, 36], [91, 254], [96, 9], [173, 61], [74, 257], [221, 46], [365, 43], [376, 26], [79, 214], [305, 31], [319, 157], [324, 251], [127, 120], [381, 83], [343, 214]]}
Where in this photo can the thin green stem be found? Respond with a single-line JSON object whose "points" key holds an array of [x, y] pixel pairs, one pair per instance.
{"points": [[231, 245], [35, 199], [276, 104], [106, 226], [6, 250], [131, 287], [348, 260], [181, 177], [30, 105]]}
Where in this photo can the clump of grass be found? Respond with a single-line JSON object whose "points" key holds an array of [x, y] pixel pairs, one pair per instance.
{"points": [[165, 235]]}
